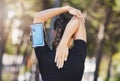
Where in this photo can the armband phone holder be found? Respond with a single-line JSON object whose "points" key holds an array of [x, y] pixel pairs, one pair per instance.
{"points": [[37, 35]]}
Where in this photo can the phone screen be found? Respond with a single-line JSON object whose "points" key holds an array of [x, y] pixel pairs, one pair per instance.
{"points": [[37, 35]]}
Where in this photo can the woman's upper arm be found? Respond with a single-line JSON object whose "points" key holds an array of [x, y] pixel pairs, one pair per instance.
{"points": [[81, 32], [38, 19]]}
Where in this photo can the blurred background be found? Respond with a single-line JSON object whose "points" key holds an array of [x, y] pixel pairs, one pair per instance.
{"points": [[17, 58]]}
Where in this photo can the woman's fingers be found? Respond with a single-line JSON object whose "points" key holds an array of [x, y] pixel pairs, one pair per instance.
{"points": [[76, 12], [66, 56], [59, 61], [60, 57], [56, 56], [73, 11]]}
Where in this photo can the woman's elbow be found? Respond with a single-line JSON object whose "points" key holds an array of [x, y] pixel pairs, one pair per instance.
{"points": [[38, 18]]}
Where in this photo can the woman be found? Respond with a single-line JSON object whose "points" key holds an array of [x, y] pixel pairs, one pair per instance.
{"points": [[66, 61]]}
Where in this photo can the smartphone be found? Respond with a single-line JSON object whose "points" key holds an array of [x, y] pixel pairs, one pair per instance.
{"points": [[37, 35]]}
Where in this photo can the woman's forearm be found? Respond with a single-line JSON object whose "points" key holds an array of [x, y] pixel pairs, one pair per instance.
{"points": [[44, 15], [71, 28]]}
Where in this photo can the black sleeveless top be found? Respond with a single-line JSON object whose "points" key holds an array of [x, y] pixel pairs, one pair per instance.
{"points": [[73, 68]]}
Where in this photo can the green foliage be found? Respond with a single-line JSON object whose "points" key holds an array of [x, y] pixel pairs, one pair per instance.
{"points": [[117, 5], [116, 64], [22, 49], [7, 76], [109, 3], [10, 48], [118, 46], [117, 78], [116, 57], [104, 67], [80, 4]]}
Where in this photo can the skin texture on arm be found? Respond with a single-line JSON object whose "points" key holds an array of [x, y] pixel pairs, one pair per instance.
{"points": [[81, 32], [75, 27], [44, 15], [71, 28]]}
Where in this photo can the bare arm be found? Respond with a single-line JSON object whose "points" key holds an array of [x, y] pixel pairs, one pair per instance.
{"points": [[75, 28], [70, 30], [62, 49], [44, 15], [81, 32]]}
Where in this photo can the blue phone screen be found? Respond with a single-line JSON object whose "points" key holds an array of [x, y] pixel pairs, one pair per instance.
{"points": [[37, 35]]}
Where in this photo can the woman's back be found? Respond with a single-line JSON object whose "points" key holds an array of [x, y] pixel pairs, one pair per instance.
{"points": [[72, 69]]}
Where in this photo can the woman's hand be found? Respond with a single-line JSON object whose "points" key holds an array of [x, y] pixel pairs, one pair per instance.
{"points": [[75, 12], [61, 55]]}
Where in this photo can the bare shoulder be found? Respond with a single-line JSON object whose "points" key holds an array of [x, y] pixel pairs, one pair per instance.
{"points": [[81, 32]]}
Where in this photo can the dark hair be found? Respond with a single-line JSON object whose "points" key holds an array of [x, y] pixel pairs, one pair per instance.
{"points": [[59, 26]]}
